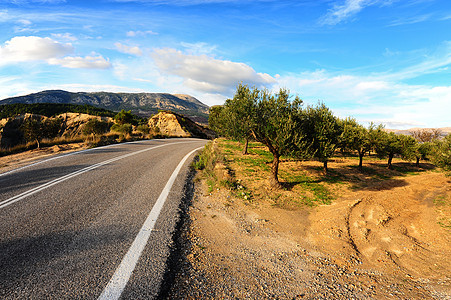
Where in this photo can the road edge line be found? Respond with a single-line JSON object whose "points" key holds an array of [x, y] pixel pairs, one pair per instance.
{"points": [[121, 276]]}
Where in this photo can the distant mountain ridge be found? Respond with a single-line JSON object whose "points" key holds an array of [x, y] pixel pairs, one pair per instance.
{"points": [[144, 104], [444, 130]]}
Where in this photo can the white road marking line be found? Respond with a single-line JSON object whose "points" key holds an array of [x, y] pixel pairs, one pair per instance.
{"points": [[76, 173], [75, 152], [117, 283]]}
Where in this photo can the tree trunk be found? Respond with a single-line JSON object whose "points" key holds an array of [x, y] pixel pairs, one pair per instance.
{"points": [[390, 158], [417, 164], [325, 166], [37, 141], [274, 179], [246, 144], [361, 153]]}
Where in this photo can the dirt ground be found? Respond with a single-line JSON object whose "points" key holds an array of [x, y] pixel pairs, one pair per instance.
{"points": [[381, 239]]}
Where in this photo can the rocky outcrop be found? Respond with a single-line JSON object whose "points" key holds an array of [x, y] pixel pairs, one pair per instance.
{"points": [[174, 125], [70, 125]]}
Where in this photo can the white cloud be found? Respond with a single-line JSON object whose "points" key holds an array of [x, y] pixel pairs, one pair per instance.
{"points": [[35, 1], [4, 16], [24, 22], [411, 20], [29, 48], [64, 36], [33, 48], [198, 48], [77, 62], [140, 33], [372, 98], [348, 9], [129, 50], [207, 74], [432, 63]]}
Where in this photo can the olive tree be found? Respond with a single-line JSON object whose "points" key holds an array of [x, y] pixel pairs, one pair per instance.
{"points": [[355, 137], [391, 144], [125, 117], [95, 126], [32, 130], [237, 117], [322, 131], [35, 129], [278, 125], [442, 153], [425, 139]]}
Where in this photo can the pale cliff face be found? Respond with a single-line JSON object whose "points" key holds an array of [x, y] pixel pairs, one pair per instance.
{"points": [[167, 124]]}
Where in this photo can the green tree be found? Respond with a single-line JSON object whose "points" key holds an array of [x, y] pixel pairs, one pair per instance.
{"points": [[277, 123], [95, 126], [216, 119], [237, 117], [409, 147], [125, 117], [424, 150], [391, 144], [32, 130], [322, 132], [124, 128], [425, 139], [355, 137], [143, 128], [441, 154], [51, 127]]}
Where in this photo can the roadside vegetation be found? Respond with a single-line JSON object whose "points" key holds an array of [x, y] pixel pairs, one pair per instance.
{"points": [[30, 126], [287, 128], [302, 182], [274, 147]]}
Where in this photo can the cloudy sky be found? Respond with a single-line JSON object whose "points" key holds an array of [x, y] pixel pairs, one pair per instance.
{"points": [[386, 61]]}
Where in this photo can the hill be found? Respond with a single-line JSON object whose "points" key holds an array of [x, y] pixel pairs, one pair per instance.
{"points": [[49, 110], [143, 104], [444, 130]]}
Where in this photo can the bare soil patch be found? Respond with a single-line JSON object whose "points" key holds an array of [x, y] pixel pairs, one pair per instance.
{"points": [[384, 235]]}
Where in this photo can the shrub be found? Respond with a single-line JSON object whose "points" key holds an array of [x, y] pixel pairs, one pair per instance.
{"points": [[143, 129], [122, 128], [95, 126]]}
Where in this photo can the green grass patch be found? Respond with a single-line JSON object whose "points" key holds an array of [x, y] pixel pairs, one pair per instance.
{"points": [[311, 191], [441, 200]]}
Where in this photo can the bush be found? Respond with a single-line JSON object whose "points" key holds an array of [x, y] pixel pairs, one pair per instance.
{"points": [[95, 126], [144, 129], [122, 128]]}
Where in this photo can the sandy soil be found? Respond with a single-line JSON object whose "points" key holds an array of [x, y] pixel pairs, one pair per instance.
{"points": [[387, 239]]}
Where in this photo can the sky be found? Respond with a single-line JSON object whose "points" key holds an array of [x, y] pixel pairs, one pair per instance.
{"points": [[381, 61]]}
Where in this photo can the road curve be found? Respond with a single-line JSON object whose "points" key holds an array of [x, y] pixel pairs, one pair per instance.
{"points": [[94, 224]]}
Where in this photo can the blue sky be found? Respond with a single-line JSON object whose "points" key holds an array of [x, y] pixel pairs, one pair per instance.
{"points": [[386, 61]]}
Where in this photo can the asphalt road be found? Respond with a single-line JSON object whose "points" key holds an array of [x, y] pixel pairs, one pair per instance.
{"points": [[86, 225]]}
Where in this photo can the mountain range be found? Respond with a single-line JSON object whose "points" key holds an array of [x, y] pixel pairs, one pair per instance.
{"points": [[143, 104]]}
